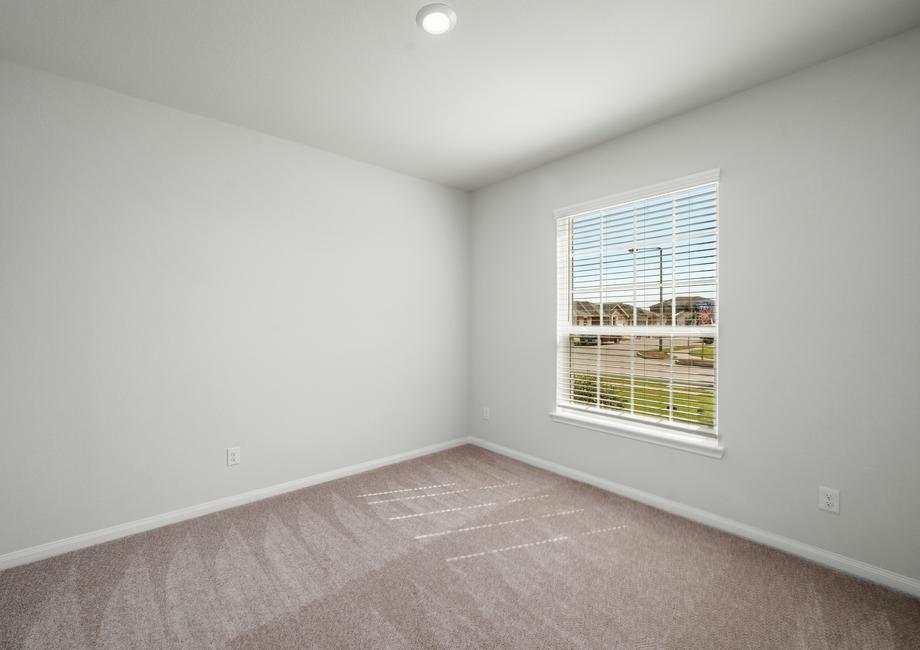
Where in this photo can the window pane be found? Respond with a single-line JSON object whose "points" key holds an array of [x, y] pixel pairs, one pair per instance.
{"points": [[586, 270], [653, 285], [648, 263], [664, 378], [695, 211], [695, 281], [653, 221], [580, 384], [618, 287]]}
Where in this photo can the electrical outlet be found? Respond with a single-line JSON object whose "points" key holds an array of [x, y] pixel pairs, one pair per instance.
{"points": [[829, 499], [486, 413], [233, 456]]}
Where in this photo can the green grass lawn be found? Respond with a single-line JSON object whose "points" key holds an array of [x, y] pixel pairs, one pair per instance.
{"points": [[703, 353], [691, 405]]}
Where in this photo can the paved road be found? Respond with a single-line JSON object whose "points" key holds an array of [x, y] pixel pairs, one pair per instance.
{"points": [[615, 359]]}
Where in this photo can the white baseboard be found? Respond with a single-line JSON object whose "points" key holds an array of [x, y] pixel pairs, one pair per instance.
{"points": [[821, 556], [42, 551], [818, 555]]}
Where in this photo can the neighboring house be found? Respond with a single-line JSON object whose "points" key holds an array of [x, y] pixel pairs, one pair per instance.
{"points": [[621, 313], [691, 311], [587, 313], [649, 317], [618, 313]]}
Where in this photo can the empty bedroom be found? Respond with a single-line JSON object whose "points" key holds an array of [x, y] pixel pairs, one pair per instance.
{"points": [[473, 324]]}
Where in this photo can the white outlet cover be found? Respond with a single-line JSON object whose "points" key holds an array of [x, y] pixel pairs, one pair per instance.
{"points": [[486, 413], [829, 500], [233, 456]]}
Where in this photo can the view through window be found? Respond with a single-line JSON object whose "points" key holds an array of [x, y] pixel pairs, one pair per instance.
{"points": [[638, 307]]}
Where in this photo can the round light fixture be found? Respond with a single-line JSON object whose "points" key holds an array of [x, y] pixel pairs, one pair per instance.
{"points": [[436, 18]]}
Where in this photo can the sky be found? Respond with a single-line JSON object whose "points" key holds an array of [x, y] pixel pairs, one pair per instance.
{"points": [[607, 244]]}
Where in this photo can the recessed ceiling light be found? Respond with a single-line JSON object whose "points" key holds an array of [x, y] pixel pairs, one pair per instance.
{"points": [[436, 18]]}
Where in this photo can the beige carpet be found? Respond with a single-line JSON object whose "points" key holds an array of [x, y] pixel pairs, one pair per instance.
{"points": [[461, 549]]}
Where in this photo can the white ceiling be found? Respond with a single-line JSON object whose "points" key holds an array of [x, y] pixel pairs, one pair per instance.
{"points": [[517, 83]]}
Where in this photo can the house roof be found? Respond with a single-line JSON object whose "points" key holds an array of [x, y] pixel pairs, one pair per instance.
{"points": [[588, 309], [684, 303]]}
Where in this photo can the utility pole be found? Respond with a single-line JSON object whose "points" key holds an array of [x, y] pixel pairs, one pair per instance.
{"points": [[661, 291], [660, 285]]}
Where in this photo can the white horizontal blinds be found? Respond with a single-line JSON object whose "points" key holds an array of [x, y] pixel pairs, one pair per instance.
{"points": [[585, 268], [637, 308], [695, 278], [675, 390], [693, 381], [618, 266]]}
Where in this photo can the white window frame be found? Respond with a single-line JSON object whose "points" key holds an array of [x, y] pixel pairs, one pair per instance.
{"points": [[609, 421]]}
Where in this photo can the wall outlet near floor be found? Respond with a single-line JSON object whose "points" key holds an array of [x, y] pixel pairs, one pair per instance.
{"points": [[233, 456], [486, 413], [829, 499]]}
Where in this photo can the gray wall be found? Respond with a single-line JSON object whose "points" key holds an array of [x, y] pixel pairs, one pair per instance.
{"points": [[171, 286], [820, 242]]}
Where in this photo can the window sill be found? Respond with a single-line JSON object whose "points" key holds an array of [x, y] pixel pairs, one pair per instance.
{"points": [[645, 433]]}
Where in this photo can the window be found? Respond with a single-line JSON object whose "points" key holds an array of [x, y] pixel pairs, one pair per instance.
{"points": [[637, 325]]}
